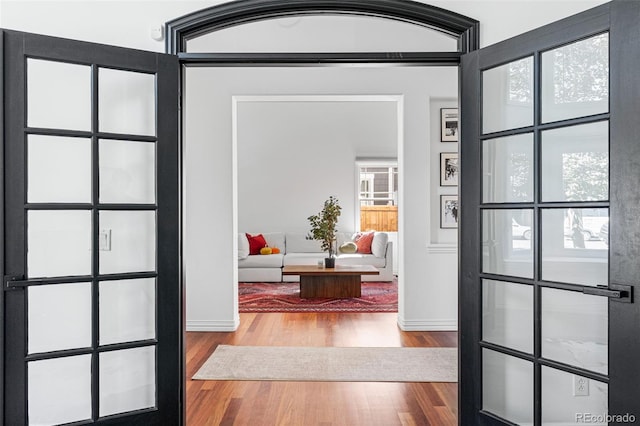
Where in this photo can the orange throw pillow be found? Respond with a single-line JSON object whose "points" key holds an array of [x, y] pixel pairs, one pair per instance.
{"points": [[363, 241], [256, 242]]}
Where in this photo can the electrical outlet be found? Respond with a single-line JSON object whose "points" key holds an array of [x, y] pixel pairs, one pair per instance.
{"points": [[580, 386]]}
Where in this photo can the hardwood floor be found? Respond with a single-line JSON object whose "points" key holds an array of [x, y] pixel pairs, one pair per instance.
{"points": [[317, 403]]}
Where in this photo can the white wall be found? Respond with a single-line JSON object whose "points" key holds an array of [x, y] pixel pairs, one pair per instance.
{"points": [[293, 153]]}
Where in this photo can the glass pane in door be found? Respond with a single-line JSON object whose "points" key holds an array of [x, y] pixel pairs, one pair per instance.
{"points": [[127, 310], [507, 96], [127, 102], [45, 100], [572, 249], [59, 243], [59, 390], [507, 387], [506, 242], [575, 163], [127, 172], [507, 314], [58, 169], [127, 380], [575, 79], [569, 399], [507, 169], [575, 329], [59, 317], [132, 245]]}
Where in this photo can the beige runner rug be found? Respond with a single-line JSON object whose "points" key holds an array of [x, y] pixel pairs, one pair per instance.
{"points": [[330, 364]]}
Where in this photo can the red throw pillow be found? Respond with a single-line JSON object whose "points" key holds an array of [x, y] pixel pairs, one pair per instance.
{"points": [[363, 241], [256, 242]]}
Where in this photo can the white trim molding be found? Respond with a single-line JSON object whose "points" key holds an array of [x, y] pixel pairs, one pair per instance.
{"points": [[428, 325], [213, 325], [442, 248]]}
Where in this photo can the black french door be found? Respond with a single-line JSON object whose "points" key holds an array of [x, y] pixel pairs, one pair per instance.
{"points": [[549, 325], [92, 298]]}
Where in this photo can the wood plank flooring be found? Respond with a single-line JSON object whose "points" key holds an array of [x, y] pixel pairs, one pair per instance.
{"points": [[317, 403]]}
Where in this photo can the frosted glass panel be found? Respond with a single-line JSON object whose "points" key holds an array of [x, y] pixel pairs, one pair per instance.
{"points": [[507, 169], [507, 387], [59, 390], [324, 33], [574, 246], [58, 95], [507, 314], [59, 243], [59, 317], [575, 163], [127, 102], [127, 380], [507, 96], [575, 329], [127, 310], [560, 406], [575, 79], [127, 172], [59, 169], [133, 241], [506, 242]]}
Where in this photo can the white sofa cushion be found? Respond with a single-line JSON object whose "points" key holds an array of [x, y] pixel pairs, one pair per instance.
{"points": [[297, 243], [268, 275], [303, 258], [262, 261], [275, 239], [243, 246], [360, 259], [379, 244]]}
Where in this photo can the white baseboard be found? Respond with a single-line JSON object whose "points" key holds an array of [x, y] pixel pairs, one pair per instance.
{"points": [[428, 325], [213, 325]]}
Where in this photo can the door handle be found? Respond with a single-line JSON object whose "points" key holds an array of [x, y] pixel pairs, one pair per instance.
{"points": [[617, 292], [15, 282]]}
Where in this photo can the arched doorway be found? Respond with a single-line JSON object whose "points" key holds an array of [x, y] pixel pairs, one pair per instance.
{"points": [[182, 31]]}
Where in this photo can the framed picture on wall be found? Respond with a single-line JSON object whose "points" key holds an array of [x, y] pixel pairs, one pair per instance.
{"points": [[449, 211], [449, 124], [449, 169]]}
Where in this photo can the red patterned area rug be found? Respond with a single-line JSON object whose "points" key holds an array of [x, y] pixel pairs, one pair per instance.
{"points": [[285, 297]]}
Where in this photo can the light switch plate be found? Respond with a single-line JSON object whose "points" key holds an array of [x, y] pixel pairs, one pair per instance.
{"points": [[104, 240]]}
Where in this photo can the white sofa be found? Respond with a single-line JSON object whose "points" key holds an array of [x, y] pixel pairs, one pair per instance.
{"points": [[296, 249]]}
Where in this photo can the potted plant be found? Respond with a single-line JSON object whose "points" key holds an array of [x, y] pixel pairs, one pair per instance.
{"points": [[323, 228]]}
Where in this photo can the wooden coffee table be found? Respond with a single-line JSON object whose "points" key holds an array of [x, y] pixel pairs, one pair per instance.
{"points": [[342, 281]]}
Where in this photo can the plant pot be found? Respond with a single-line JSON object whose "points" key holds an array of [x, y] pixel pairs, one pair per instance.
{"points": [[329, 262]]}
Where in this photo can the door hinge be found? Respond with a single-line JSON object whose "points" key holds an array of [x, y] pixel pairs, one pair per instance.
{"points": [[616, 292]]}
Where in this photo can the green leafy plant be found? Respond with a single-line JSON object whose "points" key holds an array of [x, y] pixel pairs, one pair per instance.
{"points": [[323, 225]]}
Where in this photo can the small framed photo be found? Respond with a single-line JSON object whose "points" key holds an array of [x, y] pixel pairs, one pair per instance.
{"points": [[449, 211], [449, 169], [449, 124]]}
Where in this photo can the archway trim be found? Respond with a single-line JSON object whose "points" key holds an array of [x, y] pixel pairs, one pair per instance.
{"points": [[244, 11]]}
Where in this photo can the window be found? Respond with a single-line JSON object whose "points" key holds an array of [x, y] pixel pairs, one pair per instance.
{"points": [[378, 195]]}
